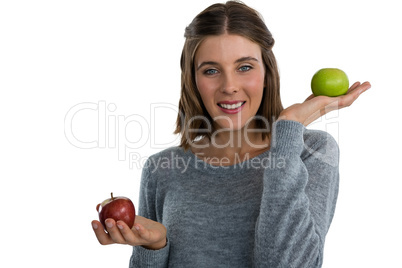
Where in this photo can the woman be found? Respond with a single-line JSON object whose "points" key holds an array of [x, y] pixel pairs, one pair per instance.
{"points": [[249, 185]]}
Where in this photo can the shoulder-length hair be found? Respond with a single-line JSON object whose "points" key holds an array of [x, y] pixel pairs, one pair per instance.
{"points": [[231, 18]]}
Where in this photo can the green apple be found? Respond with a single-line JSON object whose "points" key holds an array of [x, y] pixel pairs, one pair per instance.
{"points": [[330, 82]]}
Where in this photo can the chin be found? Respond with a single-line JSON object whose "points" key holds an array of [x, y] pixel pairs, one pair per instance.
{"points": [[229, 127]]}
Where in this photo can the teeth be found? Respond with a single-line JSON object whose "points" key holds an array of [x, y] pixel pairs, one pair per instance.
{"points": [[231, 106]]}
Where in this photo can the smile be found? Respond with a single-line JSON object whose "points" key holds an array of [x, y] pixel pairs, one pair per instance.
{"points": [[231, 107]]}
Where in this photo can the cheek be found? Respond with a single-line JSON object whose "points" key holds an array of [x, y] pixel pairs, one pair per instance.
{"points": [[201, 85], [256, 85], [206, 88]]}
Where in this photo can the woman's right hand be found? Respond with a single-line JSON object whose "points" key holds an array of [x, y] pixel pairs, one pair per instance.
{"points": [[145, 232]]}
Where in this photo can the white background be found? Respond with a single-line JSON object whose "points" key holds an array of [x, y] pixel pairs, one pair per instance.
{"points": [[125, 55]]}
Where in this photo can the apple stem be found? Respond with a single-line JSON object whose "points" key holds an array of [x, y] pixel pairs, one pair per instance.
{"points": [[111, 194]]}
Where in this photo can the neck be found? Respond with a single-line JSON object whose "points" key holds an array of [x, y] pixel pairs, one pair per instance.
{"points": [[231, 146]]}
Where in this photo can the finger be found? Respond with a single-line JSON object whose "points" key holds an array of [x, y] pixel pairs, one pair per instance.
{"points": [[310, 97], [148, 235], [141, 231], [365, 86], [322, 105], [114, 231], [143, 228], [353, 87], [348, 99], [128, 234], [101, 235]]}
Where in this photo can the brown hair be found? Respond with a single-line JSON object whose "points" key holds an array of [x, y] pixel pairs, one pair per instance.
{"points": [[232, 18]]}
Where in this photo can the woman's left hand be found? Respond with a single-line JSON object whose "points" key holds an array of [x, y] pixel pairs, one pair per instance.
{"points": [[315, 107]]}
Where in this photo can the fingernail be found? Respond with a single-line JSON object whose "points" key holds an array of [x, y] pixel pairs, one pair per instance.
{"points": [[95, 226], [137, 227], [120, 226], [109, 224]]}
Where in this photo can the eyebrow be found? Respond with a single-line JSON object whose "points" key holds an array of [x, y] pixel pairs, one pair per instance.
{"points": [[248, 58]]}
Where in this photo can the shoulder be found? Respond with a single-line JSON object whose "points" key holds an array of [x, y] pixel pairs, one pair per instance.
{"points": [[169, 153], [163, 161], [320, 145]]}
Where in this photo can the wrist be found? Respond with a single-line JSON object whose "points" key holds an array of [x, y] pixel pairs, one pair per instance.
{"points": [[158, 245], [287, 137], [288, 117]]}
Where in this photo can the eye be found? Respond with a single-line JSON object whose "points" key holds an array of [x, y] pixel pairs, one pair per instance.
{"points": [[245, 68], [210, 71]]}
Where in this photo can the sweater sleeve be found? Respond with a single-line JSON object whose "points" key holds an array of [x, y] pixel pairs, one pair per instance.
{"points": [[142, 257], [298, 200]]}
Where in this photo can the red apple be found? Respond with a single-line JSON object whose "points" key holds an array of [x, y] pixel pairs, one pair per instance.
{"points": [[118, 208]]}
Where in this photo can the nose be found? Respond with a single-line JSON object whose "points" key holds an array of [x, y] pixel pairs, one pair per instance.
{"points": [[229, 85]]}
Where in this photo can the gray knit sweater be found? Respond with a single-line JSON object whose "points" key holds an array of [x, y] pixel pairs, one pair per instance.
{"points": [[273, 210]]}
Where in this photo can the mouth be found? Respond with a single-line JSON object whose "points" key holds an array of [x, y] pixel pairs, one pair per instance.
{"points": [[231, 107]]}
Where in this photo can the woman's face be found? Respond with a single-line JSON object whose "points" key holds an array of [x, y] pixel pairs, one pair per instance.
{"points": [[229, 74]]}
